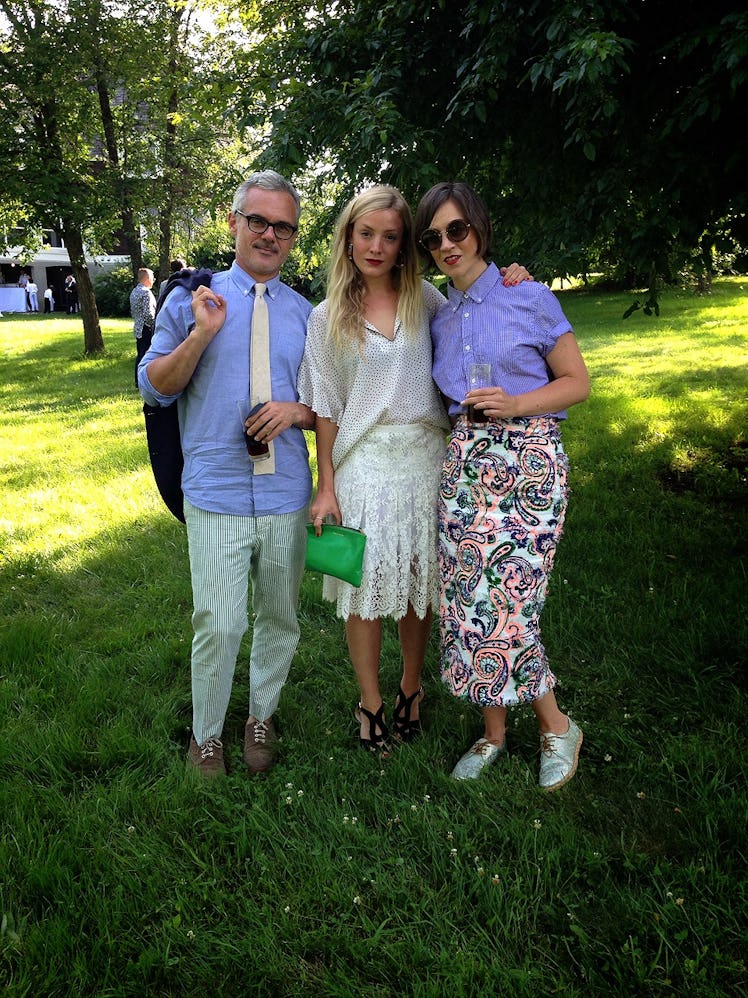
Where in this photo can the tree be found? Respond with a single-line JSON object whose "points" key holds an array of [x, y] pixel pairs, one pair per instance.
{"points": [[42, 125], [114, 121], [603, 135]]}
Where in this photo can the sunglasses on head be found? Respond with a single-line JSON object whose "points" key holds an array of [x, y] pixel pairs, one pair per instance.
{"points": [[456, 231]]}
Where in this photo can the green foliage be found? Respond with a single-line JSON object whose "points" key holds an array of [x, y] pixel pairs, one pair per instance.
{"points": [[601, 134], [113, 292], [338, 874], [126, 124]]}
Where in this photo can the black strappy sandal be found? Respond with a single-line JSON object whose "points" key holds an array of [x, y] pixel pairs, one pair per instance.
{"points": [[377, 741], [405, 728]]}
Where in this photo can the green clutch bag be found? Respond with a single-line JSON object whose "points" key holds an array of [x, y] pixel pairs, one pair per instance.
{"points": [[338, 551]]}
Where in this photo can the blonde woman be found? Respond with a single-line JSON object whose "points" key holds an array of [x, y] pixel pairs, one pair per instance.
{"points": [[380, 428]]}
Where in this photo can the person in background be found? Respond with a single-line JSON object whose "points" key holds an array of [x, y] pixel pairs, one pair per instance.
{"points": [[246, 512], [49, 300], [380, 428], [71, 294], [143, 312], [23, 282], [175, 266], [32, 290], [503, 491]]}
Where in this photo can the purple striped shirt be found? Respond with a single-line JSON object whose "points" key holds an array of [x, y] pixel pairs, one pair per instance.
{"points": [[512, 329]]}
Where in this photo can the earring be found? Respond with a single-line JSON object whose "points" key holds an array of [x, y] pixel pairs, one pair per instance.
{"points": [[350, 251], [400, 262]]}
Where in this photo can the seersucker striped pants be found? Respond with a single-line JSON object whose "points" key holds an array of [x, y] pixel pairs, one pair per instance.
{"points": [[226, 553]]}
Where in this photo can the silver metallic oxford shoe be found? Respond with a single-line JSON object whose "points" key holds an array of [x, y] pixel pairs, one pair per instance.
{"points": [[559, 755], [480, 755]]}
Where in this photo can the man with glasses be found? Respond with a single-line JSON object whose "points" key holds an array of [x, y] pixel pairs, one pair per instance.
{"points": [[245, 515]]}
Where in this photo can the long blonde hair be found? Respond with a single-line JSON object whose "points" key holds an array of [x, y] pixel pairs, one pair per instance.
{"points": [[345, 286]]}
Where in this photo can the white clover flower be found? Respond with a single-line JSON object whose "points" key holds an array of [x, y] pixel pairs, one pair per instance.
{"points": [[495, 879], [130, 829], [357, 900], [299, 793], [287, 909], [609, 757], [289, 800], [537, 823], [452, 852], [190, 934]]}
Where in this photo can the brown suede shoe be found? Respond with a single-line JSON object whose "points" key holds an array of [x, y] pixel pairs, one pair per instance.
{"points": [[207, 758], [259, 744]]}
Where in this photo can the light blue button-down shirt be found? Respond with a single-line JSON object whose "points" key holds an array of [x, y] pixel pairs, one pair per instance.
{"points": [[512, 329], [217, 472]]}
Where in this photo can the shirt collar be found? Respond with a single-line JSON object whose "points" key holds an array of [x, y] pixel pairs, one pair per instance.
{"points": [[246, 284], [477, 290]]}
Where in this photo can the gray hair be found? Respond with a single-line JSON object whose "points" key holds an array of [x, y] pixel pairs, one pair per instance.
{"points": [[269, 180]]}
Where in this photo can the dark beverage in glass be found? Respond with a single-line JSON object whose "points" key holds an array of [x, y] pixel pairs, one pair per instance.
{"points": [[257, 449]]}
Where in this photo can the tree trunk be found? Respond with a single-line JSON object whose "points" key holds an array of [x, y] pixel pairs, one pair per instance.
{"points": [[130, 235], [93, 341], [170, 151], [164, 245]]}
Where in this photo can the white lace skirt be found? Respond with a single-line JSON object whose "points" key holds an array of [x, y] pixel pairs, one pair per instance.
{"points": [[388, 486]]}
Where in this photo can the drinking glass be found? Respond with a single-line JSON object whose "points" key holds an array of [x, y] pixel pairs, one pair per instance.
{"points": [[479, 376], [258, 450]]}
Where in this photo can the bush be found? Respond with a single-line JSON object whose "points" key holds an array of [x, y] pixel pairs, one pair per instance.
{"points": [[112, 291]]}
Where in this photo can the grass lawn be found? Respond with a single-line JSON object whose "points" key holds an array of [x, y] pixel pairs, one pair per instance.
{"points": [[339, 875]]}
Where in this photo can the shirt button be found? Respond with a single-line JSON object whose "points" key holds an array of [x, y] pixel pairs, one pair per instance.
{"points": [[465, 315], [467, 347]]}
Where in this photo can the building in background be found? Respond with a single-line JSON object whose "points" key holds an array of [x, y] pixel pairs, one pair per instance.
{"points": [[48, 268]]}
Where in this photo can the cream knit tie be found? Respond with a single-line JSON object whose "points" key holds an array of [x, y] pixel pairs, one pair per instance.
{"points": [[259, 369]]}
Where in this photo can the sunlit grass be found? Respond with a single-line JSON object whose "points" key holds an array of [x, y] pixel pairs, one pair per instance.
{"points": [[339, 874]]}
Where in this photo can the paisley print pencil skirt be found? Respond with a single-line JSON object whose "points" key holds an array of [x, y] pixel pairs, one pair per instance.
{"points": [[502, 503]]}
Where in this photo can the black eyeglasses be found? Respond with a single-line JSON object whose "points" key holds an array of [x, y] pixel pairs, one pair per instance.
{"points": [[456, 231], [258, 225]]}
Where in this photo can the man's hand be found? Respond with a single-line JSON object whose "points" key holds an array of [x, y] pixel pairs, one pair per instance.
{"points": [[209, 310], [275, 417]]}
